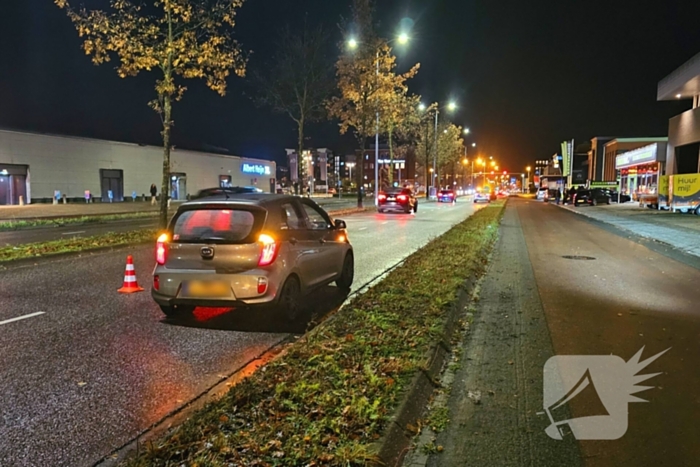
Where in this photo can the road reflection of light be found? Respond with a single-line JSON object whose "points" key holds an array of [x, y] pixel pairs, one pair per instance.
{"points": [[155, 375], [205, 314]]}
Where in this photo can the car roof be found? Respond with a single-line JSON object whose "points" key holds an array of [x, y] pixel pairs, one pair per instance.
{"points": [[254, 199]]}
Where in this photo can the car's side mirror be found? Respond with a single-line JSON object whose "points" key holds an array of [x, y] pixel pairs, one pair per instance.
{"points": [[340, 225]]}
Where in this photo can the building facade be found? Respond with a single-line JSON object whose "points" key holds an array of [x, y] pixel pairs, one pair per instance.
{"points": [[596, 158], [618, 146], [403, 167], [317, 165], [38, 167], [683, 152], [640, 169]]}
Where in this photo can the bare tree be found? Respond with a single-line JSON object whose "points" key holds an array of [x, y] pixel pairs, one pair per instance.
{"points": [[297, 81]]}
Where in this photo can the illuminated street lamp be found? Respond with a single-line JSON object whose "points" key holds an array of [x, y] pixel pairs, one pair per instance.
{"points": [[402, 39], [528, 168]]}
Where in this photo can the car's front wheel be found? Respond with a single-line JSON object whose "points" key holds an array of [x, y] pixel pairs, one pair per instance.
{"points": [[347, 275], [290, 299]]}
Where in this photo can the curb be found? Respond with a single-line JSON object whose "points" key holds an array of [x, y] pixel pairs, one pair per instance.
{"points": [[396, 443]]}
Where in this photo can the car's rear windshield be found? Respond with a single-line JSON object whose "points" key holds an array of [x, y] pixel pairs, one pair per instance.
{"points": [[446, 192], [217, 225]]}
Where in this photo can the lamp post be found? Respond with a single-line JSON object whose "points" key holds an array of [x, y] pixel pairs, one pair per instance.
{"points": [[451, 107], [528, 168], [353, 44]]}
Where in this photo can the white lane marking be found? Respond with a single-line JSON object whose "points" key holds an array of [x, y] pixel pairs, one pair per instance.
{"points": [[31, 315], [362, 228], [73, 233], [385, 222]]}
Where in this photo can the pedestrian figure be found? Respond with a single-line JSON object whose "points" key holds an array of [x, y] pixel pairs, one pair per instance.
{"points": [[154, 192], [572, 195], [557, 196]]}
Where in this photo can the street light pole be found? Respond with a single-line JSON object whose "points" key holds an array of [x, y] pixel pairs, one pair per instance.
{"points": [[436, 176], [376, 148]]}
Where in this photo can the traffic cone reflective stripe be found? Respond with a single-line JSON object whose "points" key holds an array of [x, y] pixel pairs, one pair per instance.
{"points": [[130, 283]]}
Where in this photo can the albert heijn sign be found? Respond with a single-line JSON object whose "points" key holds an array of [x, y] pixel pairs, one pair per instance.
{"points": [[257, 169]]}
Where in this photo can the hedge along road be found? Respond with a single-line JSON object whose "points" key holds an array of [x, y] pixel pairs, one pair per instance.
{"points": [[97, 368]]}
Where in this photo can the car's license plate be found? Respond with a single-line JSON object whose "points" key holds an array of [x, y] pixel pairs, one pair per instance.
{"points": [[391, 199], [206, 289]]}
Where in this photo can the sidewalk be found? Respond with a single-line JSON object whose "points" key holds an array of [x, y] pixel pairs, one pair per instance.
{"points": [[681, 231], [36, 211]]}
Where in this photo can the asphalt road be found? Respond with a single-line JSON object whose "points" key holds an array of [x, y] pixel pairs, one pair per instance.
{"points": [[58, 231], [97, 368], [627, 295]]}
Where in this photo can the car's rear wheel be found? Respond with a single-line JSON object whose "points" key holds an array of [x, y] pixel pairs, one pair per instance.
{"points": [[415, 207], [290, 299], [697, 211], [177, 310], [347, 275]]}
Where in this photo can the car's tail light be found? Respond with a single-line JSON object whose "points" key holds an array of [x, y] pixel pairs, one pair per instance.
{"points": [[402, 198], [156, 282], [381, 197], [162, 249], [269, 250], [262, 285]]}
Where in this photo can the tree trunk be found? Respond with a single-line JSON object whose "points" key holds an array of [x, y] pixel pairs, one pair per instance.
{"points": [[301, 164], [165, 187], [391, 158]]}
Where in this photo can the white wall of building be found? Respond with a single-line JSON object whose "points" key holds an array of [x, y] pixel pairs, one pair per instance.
{"points": [[72, 165]]}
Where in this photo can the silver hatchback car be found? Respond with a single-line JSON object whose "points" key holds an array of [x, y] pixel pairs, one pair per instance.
{"points": [[249, 250]]}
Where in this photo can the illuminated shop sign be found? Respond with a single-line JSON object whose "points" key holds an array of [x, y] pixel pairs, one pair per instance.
{"points": [[639, 156], [255, 169]]}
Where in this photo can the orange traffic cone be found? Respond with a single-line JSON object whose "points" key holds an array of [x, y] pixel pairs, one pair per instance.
{"points": [[130, 284]]}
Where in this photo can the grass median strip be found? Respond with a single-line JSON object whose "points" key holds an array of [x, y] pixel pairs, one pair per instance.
{"points": [[328, 399], [21, 224], [71, 245]]}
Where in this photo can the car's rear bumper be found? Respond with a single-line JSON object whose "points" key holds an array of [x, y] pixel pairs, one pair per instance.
{"points": [[165, 300], [243, 287], [396, 207]]}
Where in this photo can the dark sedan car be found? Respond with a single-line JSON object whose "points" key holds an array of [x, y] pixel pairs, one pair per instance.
{"points": [[397, 200], [592, 197], [228, 191], [615, 196], [447, 196]]}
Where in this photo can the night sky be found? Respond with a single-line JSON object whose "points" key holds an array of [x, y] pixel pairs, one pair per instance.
{"points": [[526, 75]]}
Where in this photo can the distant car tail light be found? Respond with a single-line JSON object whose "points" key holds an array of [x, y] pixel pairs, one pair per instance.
{"points": [[262, 285], [402, 198], [156, 282], [381, 197], [269, 250], [162, 249]]}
